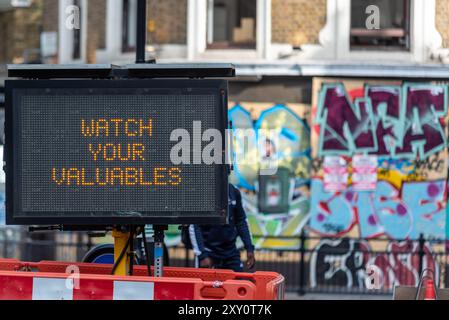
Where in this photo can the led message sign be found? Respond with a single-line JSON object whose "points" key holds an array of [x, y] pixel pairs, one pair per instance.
{"points": [[107, 151]]}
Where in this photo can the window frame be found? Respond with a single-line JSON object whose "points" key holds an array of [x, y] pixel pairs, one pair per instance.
{"points": [[77, 39], [211, 44], [126, 34], [384, 33]]}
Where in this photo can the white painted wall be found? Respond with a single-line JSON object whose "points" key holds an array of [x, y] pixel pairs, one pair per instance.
{"points": [[198, 24], [334, 45], [66, 35], [196, 28], [263, 44], [335, 42]]}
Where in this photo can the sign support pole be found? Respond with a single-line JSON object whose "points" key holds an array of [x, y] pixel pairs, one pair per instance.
{"points": [[120, 242], [159, 250], [141, 36], [121, 238]]}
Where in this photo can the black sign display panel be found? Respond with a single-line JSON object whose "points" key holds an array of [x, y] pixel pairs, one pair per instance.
{"points": [[102, 151]]}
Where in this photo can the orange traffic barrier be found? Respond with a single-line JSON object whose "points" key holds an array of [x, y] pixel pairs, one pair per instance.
{"points": [[49, 279], [430, 293]]}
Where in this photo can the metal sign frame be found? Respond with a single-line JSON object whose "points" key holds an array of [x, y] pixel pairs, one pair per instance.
{"points": [[12, 146]]}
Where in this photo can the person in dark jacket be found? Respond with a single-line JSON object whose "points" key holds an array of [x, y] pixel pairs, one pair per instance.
{"points": [[215, 245]]}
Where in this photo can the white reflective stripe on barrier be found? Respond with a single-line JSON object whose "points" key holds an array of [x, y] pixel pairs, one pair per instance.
{"points": [[51, 289], [127, 290], [57, 289]]}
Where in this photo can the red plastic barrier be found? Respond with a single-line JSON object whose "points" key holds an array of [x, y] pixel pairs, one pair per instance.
{"points": [[52, 280]]}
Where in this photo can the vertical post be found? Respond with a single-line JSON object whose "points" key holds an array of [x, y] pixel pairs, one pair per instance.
{"points": [[141, 33], [263, 28], [445, 256], [186, 259], [302, 264], [89, 243], [210, 21], [5, 244], [120, 242], [146, 250], [131, 252], [421, 253], [159, 250]]}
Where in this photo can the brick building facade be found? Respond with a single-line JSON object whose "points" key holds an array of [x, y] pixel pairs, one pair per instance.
{"points": [[442, 20], [96, 23], [297, 22], [281, 50], [21, 28], [167, 21], [20, 32], [186, 29]]}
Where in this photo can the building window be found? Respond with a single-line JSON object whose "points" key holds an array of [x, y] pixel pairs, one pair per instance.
{"points": [[394, 25], [129, 25], [77, 44], [231, 24]]}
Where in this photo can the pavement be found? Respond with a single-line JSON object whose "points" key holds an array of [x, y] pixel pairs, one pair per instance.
{"points": [[327, 296]]}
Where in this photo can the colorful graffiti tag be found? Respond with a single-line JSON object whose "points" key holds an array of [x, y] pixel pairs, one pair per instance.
{"points": [[343, 262], [276, 205], [400, 264], [394, 121], [418, 207], [404, 126]]}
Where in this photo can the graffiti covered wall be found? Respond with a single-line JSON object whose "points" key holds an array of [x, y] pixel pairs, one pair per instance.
{"points": [[276, 205], [403, 126], [343, 262], [401, 129], [366, 165]]}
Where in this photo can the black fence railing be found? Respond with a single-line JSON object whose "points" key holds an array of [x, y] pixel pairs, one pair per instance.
{"points": [[347, 265], [317, 265], [18, 243]]}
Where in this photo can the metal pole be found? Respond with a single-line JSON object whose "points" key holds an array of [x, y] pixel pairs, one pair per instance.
{"points": [[131, 252], [302, 263], [121, 238], [5, 244], [186, 260], [421, 253], [159, 250], [141, 34]]}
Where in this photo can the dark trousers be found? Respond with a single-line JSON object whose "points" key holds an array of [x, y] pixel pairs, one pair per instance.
{"points": [[232, 262]]}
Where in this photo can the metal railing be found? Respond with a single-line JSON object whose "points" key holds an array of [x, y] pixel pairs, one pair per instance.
{"points": [[18, 243], [317, 265], [346, 265]]}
